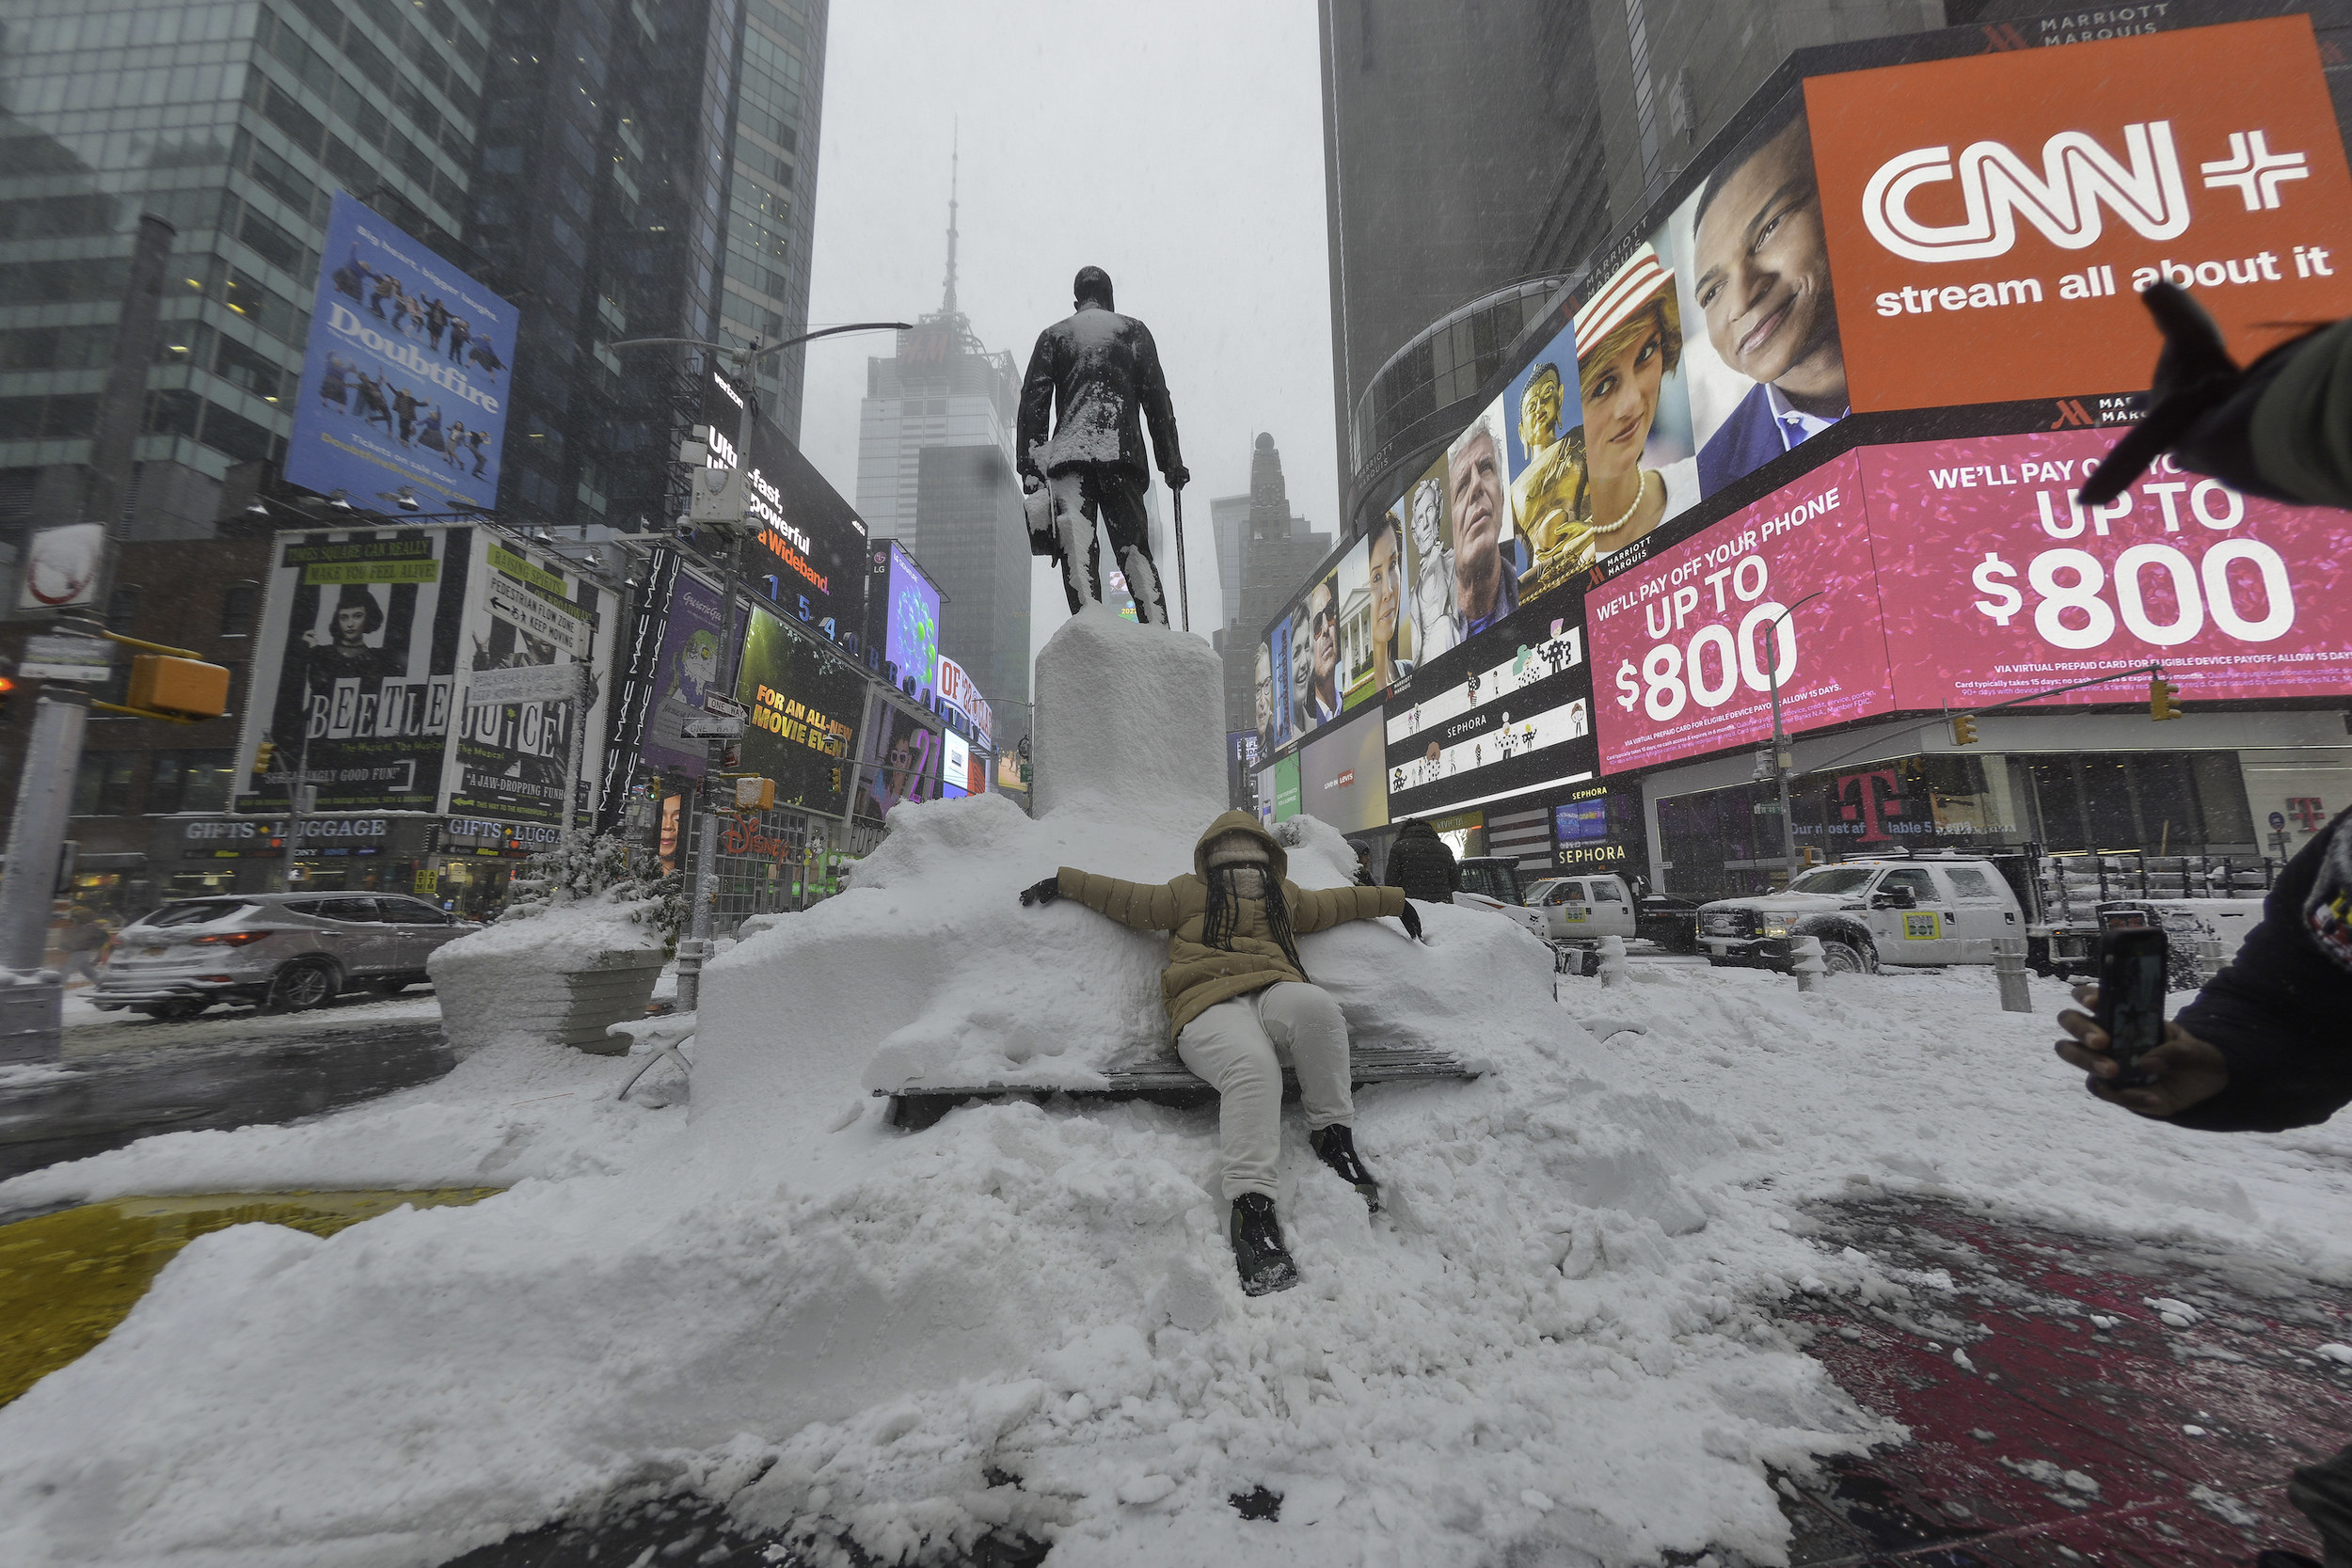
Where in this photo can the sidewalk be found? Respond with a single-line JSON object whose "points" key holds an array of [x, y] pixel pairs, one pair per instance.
{"points": [[2041, 1438]]}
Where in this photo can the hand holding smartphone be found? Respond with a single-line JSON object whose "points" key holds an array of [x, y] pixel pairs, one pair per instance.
{"points": [[2132, 968]]}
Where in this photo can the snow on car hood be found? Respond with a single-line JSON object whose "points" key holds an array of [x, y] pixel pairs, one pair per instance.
{"points": [[1798, 903]]}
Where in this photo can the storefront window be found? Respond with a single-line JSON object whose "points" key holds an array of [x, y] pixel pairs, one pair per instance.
{"points": [[1727, 843], [2177, 803], [185, 781]]}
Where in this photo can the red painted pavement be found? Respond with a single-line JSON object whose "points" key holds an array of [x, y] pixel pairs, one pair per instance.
{"points": [[2069, 1443]]}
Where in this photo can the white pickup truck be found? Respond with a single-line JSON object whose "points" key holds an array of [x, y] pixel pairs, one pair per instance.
{"points": [[1574, 910], [1871, 913]]}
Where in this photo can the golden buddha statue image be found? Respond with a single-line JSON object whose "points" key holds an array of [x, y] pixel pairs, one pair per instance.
{"points": [[1550, 497]]}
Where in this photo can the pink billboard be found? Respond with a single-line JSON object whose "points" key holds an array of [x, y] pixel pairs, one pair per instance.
{"points": [[1687, 647], [1996, 582]]}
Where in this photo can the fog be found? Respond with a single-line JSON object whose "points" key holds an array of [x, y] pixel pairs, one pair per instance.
{"points": [[1178, 149]]}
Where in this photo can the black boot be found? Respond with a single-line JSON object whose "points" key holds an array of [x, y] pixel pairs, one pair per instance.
{"points": [[1336, 1146], [1258, 1252]]}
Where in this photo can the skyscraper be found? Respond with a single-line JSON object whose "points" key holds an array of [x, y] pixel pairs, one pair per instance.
{"points": [[1229, 518], [237, 123], [1278, 551], [934, 468], [642, 174]]}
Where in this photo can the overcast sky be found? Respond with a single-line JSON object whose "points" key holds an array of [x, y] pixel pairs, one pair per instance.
{"points": [[1179, 147]]}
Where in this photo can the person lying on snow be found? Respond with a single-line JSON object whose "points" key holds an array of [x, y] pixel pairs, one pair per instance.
{"points": [[1237, 997]]}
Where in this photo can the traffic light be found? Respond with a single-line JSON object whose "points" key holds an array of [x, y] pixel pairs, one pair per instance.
{"points": [[1963, 729], [263, 754], [8, 689], [181, 687], [2160, 704]]}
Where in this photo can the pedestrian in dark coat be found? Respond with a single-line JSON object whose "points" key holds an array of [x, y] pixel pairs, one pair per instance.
{"points": [[1422, 864], [2266, 1046]]}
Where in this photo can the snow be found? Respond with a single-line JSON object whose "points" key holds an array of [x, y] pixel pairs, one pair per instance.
{"points": [[1558, 1338], [506, 980]]}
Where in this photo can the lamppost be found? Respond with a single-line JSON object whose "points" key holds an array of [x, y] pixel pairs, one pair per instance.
{"points": [[696, 946], [1780, 736]]}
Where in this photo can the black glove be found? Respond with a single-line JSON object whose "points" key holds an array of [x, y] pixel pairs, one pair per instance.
{"points": [[1043, 892], [1411, 919], [2200, 408], [1177, 477]]}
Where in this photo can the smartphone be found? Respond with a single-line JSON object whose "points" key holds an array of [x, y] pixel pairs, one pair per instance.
{"points": [[2132, 966]]}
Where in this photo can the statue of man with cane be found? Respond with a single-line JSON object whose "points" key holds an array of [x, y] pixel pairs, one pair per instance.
{"points": [[1091, 374]]}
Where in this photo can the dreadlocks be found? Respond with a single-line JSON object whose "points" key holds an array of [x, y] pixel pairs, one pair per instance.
{"points": [[1224, 914]]}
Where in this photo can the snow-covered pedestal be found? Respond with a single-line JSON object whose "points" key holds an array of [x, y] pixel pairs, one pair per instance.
{"points": [[563, 975], [928, 971], [1129, 714]]}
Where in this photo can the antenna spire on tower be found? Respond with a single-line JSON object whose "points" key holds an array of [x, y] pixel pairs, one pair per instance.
{"points": [[955, 157]]}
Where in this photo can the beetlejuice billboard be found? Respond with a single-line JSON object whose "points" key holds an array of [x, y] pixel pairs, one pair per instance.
{"points": [[403, 377], [370, 643]]}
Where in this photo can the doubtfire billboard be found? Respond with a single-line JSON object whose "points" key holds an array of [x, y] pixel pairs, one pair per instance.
{"points": [[403, 381]]}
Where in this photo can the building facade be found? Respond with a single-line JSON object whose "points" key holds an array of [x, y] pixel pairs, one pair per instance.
{"points": [[1275, 550], [1612, 710], [1477, 155], [236, 123], [642, 173], [935, 468]]}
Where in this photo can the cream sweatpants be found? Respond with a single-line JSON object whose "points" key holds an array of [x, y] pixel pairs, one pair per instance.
{"points": [[1240, 1046]]}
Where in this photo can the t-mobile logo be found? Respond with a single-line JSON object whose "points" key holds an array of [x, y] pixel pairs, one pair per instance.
{"points": [[1867, 798]]}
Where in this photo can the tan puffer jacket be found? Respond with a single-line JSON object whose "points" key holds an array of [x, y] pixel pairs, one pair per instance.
{"points": [[1199, 976]]}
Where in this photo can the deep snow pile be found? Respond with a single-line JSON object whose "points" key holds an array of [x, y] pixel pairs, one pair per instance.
{"points": [[1556, 1342]]}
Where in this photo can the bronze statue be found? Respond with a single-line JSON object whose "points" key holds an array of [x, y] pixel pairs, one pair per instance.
{"points": [[1093, 373]]}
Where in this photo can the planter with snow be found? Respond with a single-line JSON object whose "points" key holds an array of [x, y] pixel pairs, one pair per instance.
{"points": [[561, 976]]}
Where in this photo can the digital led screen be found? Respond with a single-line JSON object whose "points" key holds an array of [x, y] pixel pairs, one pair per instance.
{"points": [[1997, 584], [911, 621], [901, 759], [1495, 715], [804, 704], [1583, 821], [686, 671], [956, 776], [1340, 776], [1991, 217]]}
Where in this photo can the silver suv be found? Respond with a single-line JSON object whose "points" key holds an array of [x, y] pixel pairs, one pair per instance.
{"points": [[286, 951]]}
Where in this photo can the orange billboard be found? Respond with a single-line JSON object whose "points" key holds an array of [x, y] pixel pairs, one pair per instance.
{"points": [[1989, 220]]}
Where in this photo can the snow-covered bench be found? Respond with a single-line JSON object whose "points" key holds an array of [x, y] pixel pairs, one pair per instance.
{"points": [[1165, 1081]]}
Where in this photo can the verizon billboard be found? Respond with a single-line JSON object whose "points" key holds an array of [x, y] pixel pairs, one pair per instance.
{"points": [[1991, 220]]}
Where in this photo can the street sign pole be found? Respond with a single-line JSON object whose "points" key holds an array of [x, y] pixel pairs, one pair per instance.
{"points": [[692, 951], [33, 1018]]}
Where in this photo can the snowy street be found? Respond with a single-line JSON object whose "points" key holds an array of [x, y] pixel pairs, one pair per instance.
{"points": [[1500, 784], [124, 1077], [1579, 1328]]}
